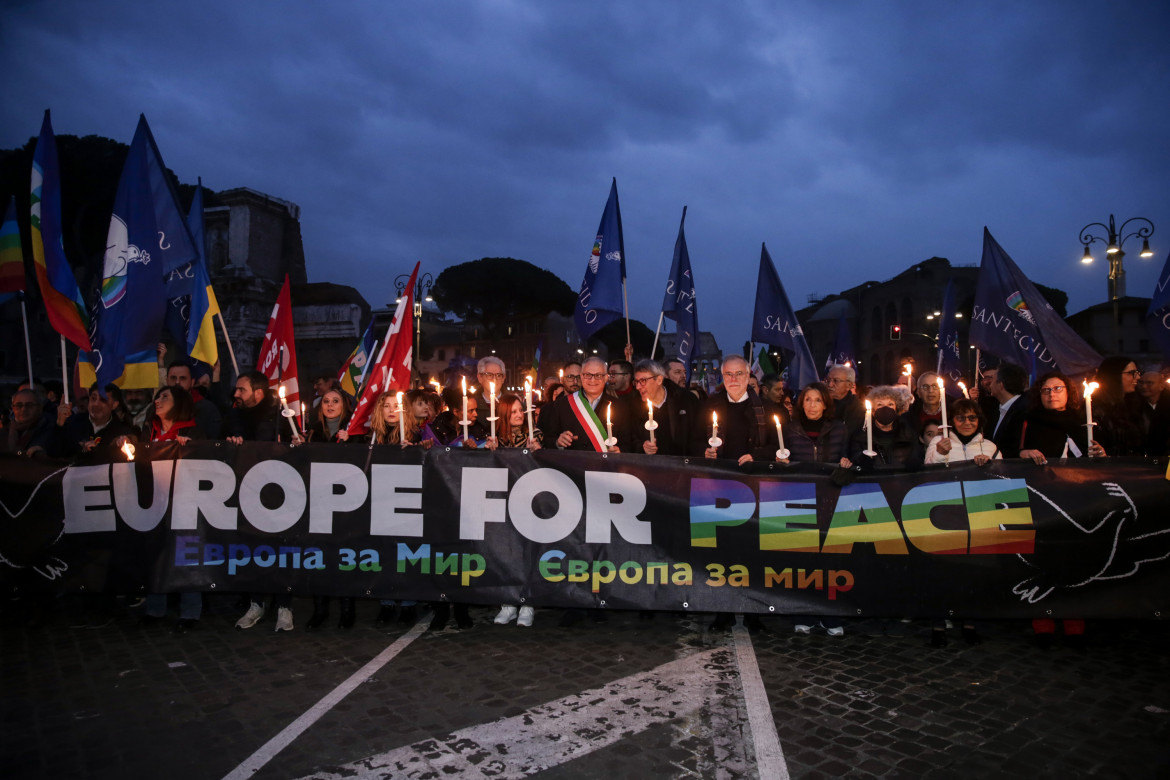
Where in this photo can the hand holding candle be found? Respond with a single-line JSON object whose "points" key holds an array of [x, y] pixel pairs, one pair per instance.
{"points": [[492, 407], [714, 442], [781, 452], [289, 413], [650, 424]]}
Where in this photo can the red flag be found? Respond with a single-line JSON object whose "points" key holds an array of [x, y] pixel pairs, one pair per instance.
{"points": [[392, 370], [278, 353]]}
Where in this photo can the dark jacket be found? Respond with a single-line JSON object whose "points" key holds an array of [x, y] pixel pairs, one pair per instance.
{"points": [[1047, 431], [39, 440], [261, 422], [746, 428], [78, 430], [558, 417], [675, 418], [1011, 429], [899, 448], [1154, 422], [1117, 430], [828, 446], [851, 411]]}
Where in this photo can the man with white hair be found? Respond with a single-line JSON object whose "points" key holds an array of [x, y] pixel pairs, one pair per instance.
{"points": [[578, 421], [489, 369], [847, 407]]}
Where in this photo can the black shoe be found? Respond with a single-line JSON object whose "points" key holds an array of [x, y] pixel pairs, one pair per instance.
{"points": [[938, 637], [462, 618], [971, 636], [753, 624], [723, 622], [385, 614], [1044, 641], [184, 625], [319, 616], [442, 612], [347, 614], [408, 615]]}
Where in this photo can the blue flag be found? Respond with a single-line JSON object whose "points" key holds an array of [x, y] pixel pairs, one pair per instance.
{"points": [[600, 300], [843, 353], [191, 304], [950, 362], [774, 322], [1011, 319], [679, 302], [1158, 316], [147, 241]]}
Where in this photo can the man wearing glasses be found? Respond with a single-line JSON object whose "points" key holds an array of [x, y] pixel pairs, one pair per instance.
{"points": [[572, 378], [746, 427], [847, 407], [32, 434], [490, 369], [675, 411], [578, 421]]}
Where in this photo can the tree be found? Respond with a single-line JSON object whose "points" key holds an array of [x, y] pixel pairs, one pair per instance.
{"points": [[496, 291], [613, 336]]}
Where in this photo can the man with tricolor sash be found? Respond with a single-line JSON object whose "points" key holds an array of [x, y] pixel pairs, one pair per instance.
{"points": [[587, 419]]}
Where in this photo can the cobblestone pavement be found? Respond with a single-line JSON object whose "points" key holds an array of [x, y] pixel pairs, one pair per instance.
{"points": [[624, 698]]}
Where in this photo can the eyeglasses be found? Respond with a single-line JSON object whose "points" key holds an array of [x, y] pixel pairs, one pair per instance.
{"points": [[496, 377], [832, 381], [619, 373], [737, 375], [572, 376], [593, 376], [1134, 373], [1056, 390], [24, 405], [966, 418], [643, 380]]}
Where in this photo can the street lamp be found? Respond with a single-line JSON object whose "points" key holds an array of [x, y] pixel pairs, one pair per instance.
{"points": [[1113, 248], [1113, 244], [422, 292]]}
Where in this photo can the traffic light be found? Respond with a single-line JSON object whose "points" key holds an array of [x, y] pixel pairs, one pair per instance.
{"points": [[895, 333]]}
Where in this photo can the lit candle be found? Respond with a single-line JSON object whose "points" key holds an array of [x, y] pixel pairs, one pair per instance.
{"points": [[868, 426], [492, 407], [963, 387], [128, 449], [528, 406], [608, 422], [561, 375], [714, 425], [438, 387], [287, 412], [465, 422], [942, 394], [650, 424], [401, 435], [906, 369], [1089, 388], [779, 432]]}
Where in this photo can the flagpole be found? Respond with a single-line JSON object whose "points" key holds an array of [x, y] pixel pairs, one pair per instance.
{"points": [[228, 340], [64, 368], [27, 350], [626, 308], [661, 314]]}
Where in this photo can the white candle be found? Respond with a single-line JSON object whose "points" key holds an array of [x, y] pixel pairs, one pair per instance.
{"points": [[779, 433], [465, 422], [289, 415], [714, 425], [963, 387], [608, 422], [909, 376], [868, 426], [528, 406], [650, 422], [1089, 388], [942, 394], [401, 434], [492, 407]]}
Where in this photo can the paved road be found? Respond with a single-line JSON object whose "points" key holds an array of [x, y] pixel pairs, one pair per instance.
{"points": [[624, 698]]}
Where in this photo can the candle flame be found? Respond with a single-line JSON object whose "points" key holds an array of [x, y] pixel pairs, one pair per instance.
{"points": [[906, 369], [776, 417], [868, 405], [128, 448], [438, 387], [281, 392], [1089, 388], [463, 381]]}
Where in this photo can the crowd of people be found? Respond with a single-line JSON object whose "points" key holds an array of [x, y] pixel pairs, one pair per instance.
{"points": [[595, 406]]}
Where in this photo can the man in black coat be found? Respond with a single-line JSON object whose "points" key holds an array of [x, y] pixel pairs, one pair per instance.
{"points": [[675, 412], [1150, 406], [254, 415], [1006, 425], [577, 421]]}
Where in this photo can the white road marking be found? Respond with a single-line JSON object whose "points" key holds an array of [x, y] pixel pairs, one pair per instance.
{"points": [[551, 734], [282, 740], [769, 755]]}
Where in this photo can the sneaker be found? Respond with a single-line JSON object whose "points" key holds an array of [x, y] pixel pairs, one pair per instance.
{"points": [[836, 631], [251, 617], [506, 615], [526, 615], [801, 628], [284, 619]]}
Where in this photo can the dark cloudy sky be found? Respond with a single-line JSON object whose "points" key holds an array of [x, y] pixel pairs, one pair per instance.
{"points": [[855, 138]]}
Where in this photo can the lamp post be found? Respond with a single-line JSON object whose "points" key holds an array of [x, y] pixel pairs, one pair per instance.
{"points": [[422, 292], [1113, 251]]}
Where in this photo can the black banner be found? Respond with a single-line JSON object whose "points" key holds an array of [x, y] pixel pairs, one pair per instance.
{"points": [[550, 528]]}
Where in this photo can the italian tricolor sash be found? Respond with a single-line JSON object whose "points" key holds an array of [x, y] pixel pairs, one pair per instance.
{"points": [[588, 419]]}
